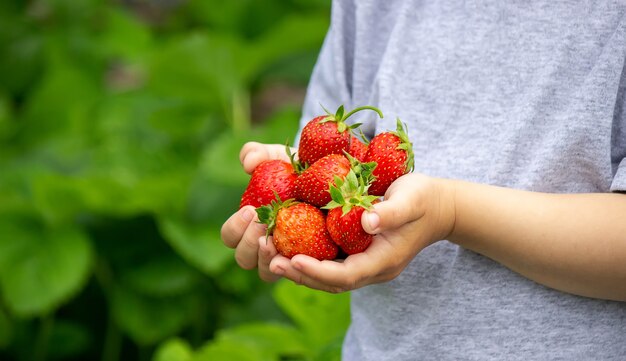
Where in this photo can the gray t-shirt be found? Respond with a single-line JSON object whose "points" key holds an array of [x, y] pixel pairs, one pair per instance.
{"points": [[522, 94]]}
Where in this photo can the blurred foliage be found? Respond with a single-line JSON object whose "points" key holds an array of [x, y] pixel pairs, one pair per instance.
{"points": [[120, 127]]}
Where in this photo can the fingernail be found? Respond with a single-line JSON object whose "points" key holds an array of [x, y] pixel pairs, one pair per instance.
{"points": [[247, 215], [372, 220], [297, 266]]}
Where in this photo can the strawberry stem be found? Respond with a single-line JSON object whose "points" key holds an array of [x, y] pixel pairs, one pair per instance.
{"points": [[346, 116], [340, 117]]}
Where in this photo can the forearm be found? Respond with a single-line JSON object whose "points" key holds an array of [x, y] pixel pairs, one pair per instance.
{"points": [[572, 242]]}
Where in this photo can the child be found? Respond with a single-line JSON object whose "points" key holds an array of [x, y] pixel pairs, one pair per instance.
{"points": [[509, 241]]}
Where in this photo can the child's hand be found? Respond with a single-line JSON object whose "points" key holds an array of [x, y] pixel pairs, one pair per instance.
{"points": [[417, 211], [241, 231]]}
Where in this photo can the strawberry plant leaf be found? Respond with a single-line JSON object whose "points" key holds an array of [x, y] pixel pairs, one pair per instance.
{"points": [[68, 339], [273, 340], [148, 320], [228, 350], [41, 268], [166, 275], [174, 349], [200, 245], [321, 316], [6, 330]]}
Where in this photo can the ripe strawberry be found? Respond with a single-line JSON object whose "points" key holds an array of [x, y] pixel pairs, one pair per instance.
{"points": [[298, 228], [357, 148], [268, 177], [327, 134], [343, 222], [313, 184], [393, 152]]}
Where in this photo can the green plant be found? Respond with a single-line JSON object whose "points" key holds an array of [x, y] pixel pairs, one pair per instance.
{"points": [[119, 133]]}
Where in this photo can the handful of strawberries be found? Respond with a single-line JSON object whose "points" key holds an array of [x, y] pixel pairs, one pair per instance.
{"points": [[313, 206]]}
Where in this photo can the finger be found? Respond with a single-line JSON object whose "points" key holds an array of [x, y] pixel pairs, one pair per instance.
{"points": [[267, 252], [376, 264], [399, 207], [234, 228], [247, 252], [253, 153], [284, 267], [380, 262]]}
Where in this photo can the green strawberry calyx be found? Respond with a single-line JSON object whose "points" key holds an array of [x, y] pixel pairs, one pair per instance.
{"points": [[298, 167], [341, 116], [350, 192], [405, 144], [364, 171], [267, 214]]}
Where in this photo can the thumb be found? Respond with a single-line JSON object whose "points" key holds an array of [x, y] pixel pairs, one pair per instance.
{"points": [[399, 208]]}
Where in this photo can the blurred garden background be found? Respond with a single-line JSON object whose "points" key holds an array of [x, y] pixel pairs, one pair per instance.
{"points": [[120, 126]]}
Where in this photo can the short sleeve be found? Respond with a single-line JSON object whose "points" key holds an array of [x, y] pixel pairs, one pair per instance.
{"points": [[619, 181], [618, 138]]}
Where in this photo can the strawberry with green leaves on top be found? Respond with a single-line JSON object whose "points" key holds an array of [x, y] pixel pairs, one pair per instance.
{"points": [[327, 134], [349, 201], [298, 228], [393, 152]]}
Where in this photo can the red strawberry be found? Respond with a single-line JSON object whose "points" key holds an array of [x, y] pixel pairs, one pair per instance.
{"points": [[313, 184], [327, 134], [298, 228], [357, 148], [393, 152], [268, 177], [343, 222]]}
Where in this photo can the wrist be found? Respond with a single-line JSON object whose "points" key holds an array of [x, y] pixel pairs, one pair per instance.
{"points": [[447, 190]]}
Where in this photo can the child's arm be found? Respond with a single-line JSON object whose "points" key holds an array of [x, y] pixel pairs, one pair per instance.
{"points": [[571, 242]]}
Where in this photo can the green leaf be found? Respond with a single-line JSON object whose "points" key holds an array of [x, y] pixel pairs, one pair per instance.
{"points": [[163, 276], [41, 268], [336, 195], [201, 246], [275, 341], [148, 320], [330, 352], [68, 339], [24, 49], [321, 316], [124, 36], [339, 114], [174, 349], [48, 115], [228, 350], [291, 35], [7, 124], [220, 161], [198, 67], [6, 330]]}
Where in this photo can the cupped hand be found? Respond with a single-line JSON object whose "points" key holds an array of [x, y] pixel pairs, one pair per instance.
{"points": [[242, 231], [416, 212]]}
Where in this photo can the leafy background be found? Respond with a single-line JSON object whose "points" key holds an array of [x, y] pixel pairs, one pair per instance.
{"points": [[120, 125]]}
